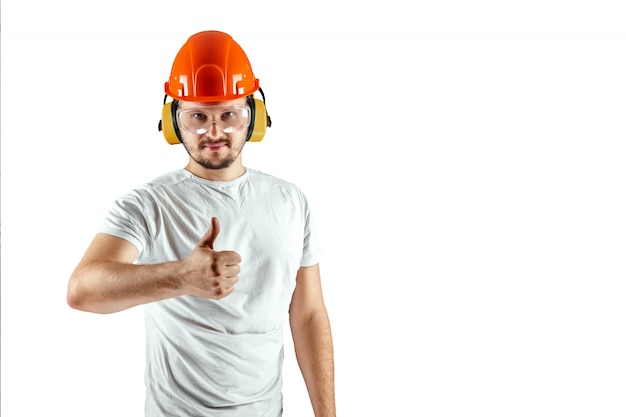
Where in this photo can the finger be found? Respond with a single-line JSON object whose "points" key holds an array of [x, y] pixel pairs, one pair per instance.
{"points": [[230, 282], [209, 237], [223, 271], [223, 292], [230, 258], [232, 271]]}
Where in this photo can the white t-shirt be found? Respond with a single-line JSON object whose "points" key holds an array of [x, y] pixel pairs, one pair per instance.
{"points": [[219, 357]]}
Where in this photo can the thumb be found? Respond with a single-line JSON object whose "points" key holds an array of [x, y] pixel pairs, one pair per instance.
{"points": [[209, 237]]}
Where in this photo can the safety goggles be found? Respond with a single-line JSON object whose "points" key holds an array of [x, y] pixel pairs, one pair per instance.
{"points": [[199, 120]]}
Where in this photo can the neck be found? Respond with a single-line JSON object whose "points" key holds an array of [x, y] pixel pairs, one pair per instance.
{"points": [[230, 173]]}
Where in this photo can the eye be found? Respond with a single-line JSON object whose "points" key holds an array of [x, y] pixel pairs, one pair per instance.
{"points": [[228, 115], [199, 117]]}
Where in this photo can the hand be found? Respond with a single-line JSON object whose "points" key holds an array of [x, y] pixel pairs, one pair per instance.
{"points": [[208, 273]]}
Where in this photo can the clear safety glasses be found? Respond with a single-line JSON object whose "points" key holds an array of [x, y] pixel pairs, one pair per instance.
{"points": [[199, 120]]}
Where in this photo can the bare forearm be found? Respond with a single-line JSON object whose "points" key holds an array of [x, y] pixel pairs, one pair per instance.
{"points": [[314, 351], [108, 287]]}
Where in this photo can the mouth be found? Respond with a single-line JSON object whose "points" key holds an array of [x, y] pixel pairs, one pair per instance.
{"points": [[215, 146]]}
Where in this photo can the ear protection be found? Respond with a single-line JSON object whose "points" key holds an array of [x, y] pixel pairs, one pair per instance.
{"points": [[259, 120]]}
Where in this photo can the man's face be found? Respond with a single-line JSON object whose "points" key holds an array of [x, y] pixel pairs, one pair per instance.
{"points": [[206, 131]]}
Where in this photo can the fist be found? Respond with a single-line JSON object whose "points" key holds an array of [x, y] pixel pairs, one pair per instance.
{"points": [[209, 273]]}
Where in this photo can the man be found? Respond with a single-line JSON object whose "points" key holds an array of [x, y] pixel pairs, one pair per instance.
{"points": [[220, 255]]}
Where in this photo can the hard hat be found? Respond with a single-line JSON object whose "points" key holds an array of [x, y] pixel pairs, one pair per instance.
{"points": [[210, 67]]}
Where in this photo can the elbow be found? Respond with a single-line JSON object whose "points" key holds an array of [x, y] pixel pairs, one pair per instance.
{"points": [[75, 298], [311, 319], [78, 296], [78, 301]]}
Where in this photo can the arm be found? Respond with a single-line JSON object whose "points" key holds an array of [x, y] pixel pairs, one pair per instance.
{"points": [[310, 328], [107, 281]]}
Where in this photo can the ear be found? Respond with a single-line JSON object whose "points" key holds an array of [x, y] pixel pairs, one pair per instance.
{"points": [[168, 124]]}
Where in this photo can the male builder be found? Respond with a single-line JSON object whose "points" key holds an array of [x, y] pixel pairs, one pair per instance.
{"points": [[220, 255]]}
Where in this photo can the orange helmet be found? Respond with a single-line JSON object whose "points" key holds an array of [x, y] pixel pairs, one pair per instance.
{"points": [[209, 67]]}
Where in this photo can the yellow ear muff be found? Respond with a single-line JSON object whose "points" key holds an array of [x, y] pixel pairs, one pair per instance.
{"points": [[260, 122], [166, 125]]}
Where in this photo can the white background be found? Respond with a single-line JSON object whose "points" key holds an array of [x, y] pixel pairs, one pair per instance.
{"points": [[466, 161]]}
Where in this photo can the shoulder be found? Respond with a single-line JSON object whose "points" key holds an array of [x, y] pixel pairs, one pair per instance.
{"points": [[259, 177], [278, 188], [150, 193], [170, 179], [168, 182]]}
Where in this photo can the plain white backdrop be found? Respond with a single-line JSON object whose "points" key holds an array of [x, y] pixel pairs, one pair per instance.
{"points": [[466, 161]]}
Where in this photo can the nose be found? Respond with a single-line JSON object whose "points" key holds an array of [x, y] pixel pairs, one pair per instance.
{"points": [[213, 131]]}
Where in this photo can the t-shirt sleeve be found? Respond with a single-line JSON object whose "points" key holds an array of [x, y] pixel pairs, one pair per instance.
{"points": [[311, 253], [126, 220]]}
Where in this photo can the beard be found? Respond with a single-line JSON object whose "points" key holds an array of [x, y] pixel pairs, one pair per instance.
{"points": [[214, 163], [221, 164]]}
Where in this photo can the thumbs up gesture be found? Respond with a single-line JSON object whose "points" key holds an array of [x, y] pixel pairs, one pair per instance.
{"points": [[208, 273]]}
